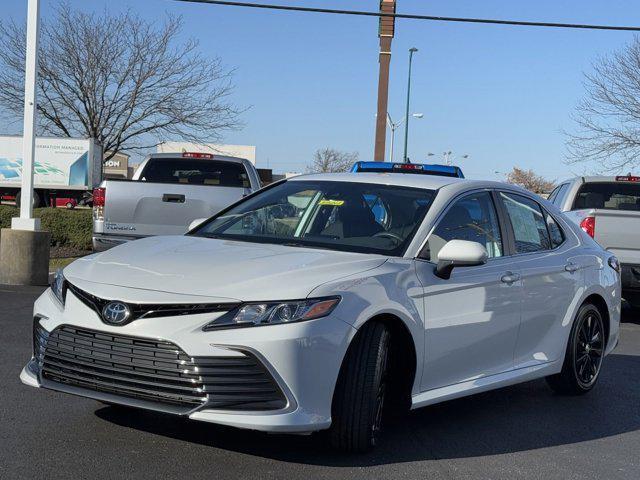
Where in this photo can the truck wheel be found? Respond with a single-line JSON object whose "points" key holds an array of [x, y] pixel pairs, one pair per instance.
{"points": [[583, 358], [358, 401], [36, 199]]}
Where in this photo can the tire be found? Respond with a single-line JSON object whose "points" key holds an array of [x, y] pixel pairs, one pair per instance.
{"points": [[584, 354], [70, 206], [358, 401], [36, 199]]}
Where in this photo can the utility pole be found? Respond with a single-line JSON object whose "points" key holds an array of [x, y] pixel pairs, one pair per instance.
{"points": [[406, 125], [386, 32]]}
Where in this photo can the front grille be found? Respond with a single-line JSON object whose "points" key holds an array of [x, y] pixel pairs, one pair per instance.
{"points": [[156, 371], [148, 310]]}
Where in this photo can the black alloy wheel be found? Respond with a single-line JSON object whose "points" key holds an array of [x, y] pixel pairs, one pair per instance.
{"points": [[584, 354], [589, 348]]}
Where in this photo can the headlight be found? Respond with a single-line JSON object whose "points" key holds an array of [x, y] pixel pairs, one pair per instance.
{"points": [[274, 313], [58, 286]]}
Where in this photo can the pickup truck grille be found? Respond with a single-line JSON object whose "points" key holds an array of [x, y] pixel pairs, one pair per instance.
{"points": [[154, 371]]}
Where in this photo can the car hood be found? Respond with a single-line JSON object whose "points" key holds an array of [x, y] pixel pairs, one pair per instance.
{"points": [[222, 269]]}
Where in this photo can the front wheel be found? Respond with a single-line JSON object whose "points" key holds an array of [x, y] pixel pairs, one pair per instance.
{"points": [[360, 393], [583, 358]]}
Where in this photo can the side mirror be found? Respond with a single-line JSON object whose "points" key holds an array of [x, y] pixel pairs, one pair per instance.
{"points": [[459, 253], [195, 223]]}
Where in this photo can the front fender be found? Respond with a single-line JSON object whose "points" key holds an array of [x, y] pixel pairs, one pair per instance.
{"points": [[392, 289]]}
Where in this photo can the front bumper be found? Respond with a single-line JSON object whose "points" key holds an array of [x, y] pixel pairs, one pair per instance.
{"points": [[303, 359]]}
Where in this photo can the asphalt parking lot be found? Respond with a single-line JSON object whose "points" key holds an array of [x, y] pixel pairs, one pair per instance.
{"points": [[519, 432]]}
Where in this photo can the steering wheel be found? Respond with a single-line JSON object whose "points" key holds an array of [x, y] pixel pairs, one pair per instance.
{"points": [[389, 235]]}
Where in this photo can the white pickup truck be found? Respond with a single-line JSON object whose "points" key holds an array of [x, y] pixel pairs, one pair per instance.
{"points": [[167, 192], [608, 209]]}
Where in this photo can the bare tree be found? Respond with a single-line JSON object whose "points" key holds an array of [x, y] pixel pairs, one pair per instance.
{"points": [[329, 160], [608, 118], [529, 180], [120, 79]]}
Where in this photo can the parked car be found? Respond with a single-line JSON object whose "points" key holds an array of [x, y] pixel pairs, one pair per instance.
{"points": [[608, 209], [320, 302], [65, 202], [167, 192]]}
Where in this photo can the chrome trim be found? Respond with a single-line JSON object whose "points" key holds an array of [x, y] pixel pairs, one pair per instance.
{"points": [[150, 310]]}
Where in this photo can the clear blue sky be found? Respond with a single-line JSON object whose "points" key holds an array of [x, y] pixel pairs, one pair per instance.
{"points": [[500, 94]]}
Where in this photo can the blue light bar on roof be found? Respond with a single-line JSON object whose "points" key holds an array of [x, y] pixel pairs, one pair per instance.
{"points": [[415, 168]]}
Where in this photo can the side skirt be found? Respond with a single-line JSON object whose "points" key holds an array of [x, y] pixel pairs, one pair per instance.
{"points": [[484, 384]]}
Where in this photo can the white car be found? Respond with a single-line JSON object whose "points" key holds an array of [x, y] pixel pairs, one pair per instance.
{"points": [[321, 302]]}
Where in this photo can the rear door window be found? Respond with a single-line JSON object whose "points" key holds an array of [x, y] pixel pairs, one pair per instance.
{"points": [[196, 172], [528, 223], [608, 196]]}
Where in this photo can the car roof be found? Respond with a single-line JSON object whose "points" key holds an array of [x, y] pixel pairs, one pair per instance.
{"points": [[593, 179], [179, 156], [430, 182]]}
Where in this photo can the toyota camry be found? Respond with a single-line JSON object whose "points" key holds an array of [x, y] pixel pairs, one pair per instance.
{"points": [[324, 302]]}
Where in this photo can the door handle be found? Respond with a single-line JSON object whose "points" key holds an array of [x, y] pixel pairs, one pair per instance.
{"points": [[510, 278], [571, 267], [173, 198]]}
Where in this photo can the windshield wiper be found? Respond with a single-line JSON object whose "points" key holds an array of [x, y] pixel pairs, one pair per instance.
{"points": [[291, 244]]}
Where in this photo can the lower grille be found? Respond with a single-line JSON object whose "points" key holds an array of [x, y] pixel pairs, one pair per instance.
{"points": [[154, 371]]}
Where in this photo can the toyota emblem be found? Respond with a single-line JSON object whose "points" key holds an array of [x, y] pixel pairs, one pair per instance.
{"points": [[116, 313]]}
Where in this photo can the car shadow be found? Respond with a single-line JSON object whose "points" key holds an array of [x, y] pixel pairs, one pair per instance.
{"points": [[514, 419]]}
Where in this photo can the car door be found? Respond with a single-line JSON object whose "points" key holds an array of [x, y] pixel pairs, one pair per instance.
{"points": [[552, 277], [471, 320]]}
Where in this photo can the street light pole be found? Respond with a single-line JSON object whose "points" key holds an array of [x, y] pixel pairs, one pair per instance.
{"points": [[406, 119], [447, 157], [26, 220], [394, 127], [24, 248]]}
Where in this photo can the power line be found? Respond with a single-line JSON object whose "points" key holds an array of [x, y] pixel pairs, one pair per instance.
{"points": [[416, 17]]}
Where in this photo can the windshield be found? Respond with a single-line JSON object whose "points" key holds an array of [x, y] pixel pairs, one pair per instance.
{"points": [[353, 217]]}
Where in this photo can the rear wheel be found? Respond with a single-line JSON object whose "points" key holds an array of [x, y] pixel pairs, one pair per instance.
{"points": [[36, 199], [583, 358], [358, 401]]}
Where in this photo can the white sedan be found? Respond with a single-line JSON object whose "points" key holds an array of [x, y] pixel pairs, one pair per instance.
{"points": [[323, 302]]}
